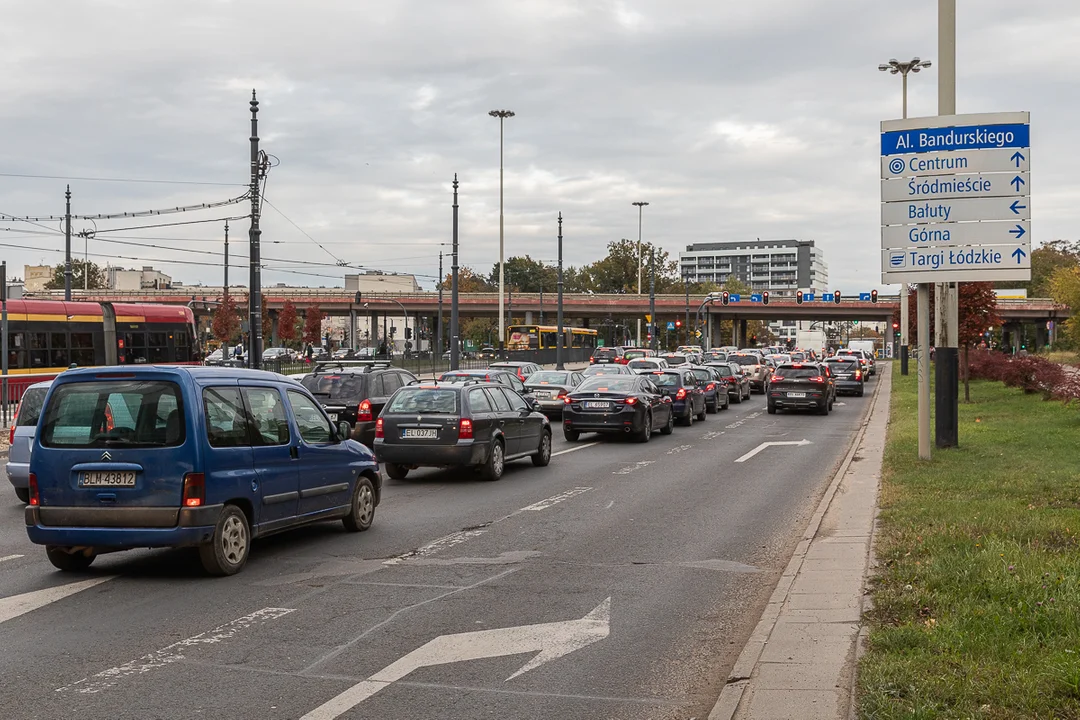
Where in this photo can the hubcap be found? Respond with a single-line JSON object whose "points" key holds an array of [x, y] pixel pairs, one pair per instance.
{"points": [[545, 446], [365, 505], [497, 459], [233, 540]]}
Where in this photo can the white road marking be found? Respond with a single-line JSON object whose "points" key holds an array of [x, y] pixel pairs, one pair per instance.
{"points": [[10, 557], [575, 448], [631, 468], [548, 502], [173, 653], [549, 640], [800, 443], [678, 449], [712, 434], [16, 605], [447, 541], [609, 505]]}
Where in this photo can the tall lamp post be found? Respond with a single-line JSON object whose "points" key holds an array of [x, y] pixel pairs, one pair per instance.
{"points": [[902, 69], [559, 312], [502, 115], [639, 204], [652, 297]]}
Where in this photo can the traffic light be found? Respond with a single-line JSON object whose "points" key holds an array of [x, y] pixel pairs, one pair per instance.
{"points": [[408, 333], [765, 298], [357, 298], [836, 298], [798, 297], [873, 296], [393, 330], [678, 323], [724, 297], [896, 328]]}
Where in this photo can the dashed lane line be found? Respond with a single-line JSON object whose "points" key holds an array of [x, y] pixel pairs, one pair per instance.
{"points": [[575, 448], [16, 605], [10, 557]]}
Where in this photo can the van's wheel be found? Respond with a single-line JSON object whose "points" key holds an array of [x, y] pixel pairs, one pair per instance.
{"points": [[64, 559], [362, 508], [228, 549], [23, 494], [493, 469], [396, 472], [543, 454]]}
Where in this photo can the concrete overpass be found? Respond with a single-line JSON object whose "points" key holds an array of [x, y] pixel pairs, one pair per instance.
{"points": [[581, 309]]}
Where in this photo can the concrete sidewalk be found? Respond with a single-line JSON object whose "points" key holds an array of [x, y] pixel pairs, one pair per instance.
{"points": [[800, 661]]}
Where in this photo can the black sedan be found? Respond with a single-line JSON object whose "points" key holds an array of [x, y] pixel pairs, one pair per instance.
{"points": [[715, 389], [738, 384], [630, 404]]}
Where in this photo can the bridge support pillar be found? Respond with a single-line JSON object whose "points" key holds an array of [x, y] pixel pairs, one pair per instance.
{"points": [[742, 333], [350, 336], [1040, 336], [373, 323], [274, 341], [528, 317]]}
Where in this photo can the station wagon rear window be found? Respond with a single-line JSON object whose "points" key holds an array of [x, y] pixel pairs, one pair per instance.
{"points": [[123, 413], [344, 385], [789, 371], [424, 401]]}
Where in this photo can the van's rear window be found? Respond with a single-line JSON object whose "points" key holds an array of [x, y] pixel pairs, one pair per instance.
{"points": [[127, 413]]}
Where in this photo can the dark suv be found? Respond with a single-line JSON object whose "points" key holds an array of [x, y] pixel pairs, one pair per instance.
{"points": [[355, 392], [687, 395], [470, 423], [607, 355], [796, 386]]}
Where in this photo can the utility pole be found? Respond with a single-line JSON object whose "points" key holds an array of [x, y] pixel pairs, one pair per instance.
{"points": [[4, 342], [67, 246], [541, 304], [686, 323], [946, 353], [640, 205], [455, 340], [225, 287], [254, 237], [438, 328], [502, 115], [652, 298], [559, 319]]}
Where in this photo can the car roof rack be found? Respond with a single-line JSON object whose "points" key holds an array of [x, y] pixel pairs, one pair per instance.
{"points": [[367, 365]]}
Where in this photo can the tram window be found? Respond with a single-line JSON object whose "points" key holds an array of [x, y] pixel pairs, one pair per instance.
{"points": [[548, 339], [82, 349], [16, 351], [180, 338], [39, 349], [59, 350], [158, 351]]}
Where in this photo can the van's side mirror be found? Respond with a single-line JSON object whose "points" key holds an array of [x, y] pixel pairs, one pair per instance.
{"points": [[344, 430]]}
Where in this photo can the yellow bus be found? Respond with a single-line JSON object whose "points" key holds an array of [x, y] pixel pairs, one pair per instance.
{"points": [[543, 337]]}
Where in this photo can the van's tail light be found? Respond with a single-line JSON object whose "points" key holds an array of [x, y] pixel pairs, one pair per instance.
{"points": [[363, 413], [681, 395], [465, 429], [379, 429], [11, 432], [35, 499], [194, 489]]}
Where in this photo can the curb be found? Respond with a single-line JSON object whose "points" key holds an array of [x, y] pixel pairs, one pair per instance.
{"points": [[728, 703]]}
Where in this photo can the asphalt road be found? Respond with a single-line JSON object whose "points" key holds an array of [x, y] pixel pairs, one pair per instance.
{"points": [[636, 571]]}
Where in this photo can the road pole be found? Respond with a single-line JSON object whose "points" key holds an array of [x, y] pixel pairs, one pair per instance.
{"points": [[502, 115], [455, 340], [686, 322], [640, 204], [255, 243], [559, 313], [438, 328], [67, 246], [652, 298], [947, 355], [923, 320]]}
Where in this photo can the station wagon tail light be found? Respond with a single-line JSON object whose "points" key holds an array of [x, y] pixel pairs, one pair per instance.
{"points": [[858, 374], [35, 499], [363, 413], [592, 358], [710, 386], [465, 429], [194, 489], [631, 401], [681, 395], [379, 429], [11, 432]]}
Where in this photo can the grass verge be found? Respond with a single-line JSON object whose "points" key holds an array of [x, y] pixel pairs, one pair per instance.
{"points": [[976, 610]]}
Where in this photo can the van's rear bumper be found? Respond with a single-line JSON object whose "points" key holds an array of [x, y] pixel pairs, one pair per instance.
{"points": [[120, 527]]}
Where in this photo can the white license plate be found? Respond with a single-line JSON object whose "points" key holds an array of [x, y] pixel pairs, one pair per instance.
{"points": [[107, 478], [796, 395], [419, 433], [597, 405]]}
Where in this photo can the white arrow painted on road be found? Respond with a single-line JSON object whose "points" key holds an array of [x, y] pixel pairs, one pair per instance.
{"points": [[762, 446], [548, 640]]}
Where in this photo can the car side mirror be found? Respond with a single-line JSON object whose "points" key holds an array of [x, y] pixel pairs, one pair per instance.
{"points": [[344, 430]]}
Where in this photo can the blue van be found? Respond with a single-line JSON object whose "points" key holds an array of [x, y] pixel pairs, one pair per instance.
{"points": [[188, 456]]}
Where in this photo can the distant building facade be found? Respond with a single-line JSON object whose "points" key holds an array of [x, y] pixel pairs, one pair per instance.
{"points": [[779, 266], [35, 277], [146, 279]]}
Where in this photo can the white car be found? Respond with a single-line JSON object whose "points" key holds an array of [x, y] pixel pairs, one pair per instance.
{"points": [[647, 365]]}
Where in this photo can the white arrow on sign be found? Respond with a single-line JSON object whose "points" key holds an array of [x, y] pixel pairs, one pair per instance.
{"points": [[548, 640], [762, 446]]}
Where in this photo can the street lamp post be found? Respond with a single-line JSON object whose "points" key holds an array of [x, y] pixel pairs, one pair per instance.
{"points": [[559, 314], [438, 327], [502, 115], [652, 297], [455, 339], [903, 68], [639, 204]]}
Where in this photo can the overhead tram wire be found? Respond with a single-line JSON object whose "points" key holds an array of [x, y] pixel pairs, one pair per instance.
{"points": [[173, 224], [119, 180], [339, 261], [142, 213]]}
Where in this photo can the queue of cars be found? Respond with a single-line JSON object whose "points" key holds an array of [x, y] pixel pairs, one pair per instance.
{"points": [[108, 459]]}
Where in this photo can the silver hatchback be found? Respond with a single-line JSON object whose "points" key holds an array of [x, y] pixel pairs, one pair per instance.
{"points": [[23, 429]]}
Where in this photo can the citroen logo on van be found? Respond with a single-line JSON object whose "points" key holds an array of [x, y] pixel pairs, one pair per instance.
{"points": [[106, 456]]}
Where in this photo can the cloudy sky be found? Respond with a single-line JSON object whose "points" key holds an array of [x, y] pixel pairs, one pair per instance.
{"points": [[734, 120]]}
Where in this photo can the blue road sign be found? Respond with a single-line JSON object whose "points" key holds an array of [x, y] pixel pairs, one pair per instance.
{"points": [[827, 297], [732, 297], [864, 297], [808, 297], [755, 297], [971, 137], [670, 325]]}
